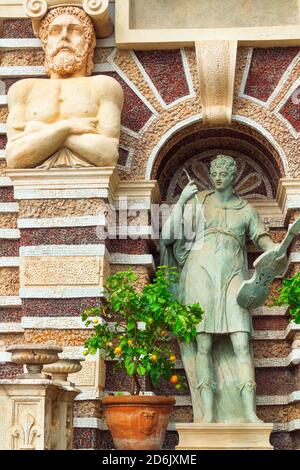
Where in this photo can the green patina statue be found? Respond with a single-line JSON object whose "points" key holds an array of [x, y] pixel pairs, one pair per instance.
{"points": [[205, 238]]}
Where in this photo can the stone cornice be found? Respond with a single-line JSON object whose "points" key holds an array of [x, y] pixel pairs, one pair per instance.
{"points": [[81, 182], [288, 195]]}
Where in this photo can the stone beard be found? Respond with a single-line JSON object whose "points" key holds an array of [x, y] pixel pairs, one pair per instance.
{"points": [[65, 62]]}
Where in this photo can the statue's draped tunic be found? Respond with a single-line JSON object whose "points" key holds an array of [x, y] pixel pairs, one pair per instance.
{"points": [[216, 262], [212, 261]]}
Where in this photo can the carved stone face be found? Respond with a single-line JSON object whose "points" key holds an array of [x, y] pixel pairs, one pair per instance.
{"points": [[221, 178], [67, 47]]}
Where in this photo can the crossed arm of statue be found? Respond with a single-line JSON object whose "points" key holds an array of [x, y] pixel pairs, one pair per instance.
{"points": [[31, 142]]}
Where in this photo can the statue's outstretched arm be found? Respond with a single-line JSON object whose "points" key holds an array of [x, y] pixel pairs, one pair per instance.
{"points": [[266, 243]]}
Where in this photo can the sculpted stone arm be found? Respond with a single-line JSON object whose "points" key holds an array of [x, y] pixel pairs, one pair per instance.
{"points": [[102, 147], [172, 226], [266, 243], [32, 142], [172, 229], [259, 233]]}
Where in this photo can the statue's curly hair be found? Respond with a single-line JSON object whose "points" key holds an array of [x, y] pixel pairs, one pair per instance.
{"points": [[224, 161], [85, 21]]}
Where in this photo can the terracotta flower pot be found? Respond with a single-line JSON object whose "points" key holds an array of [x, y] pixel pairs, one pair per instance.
{"points": [[138, 422]]}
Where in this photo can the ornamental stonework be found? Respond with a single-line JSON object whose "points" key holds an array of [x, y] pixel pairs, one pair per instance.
{"points": [[62, 270]]}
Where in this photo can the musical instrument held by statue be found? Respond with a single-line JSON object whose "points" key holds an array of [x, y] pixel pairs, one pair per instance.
{"points": [[254, 292]]}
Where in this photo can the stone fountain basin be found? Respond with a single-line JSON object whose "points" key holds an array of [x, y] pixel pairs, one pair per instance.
{"points": [[34, 354], [64, 366]]}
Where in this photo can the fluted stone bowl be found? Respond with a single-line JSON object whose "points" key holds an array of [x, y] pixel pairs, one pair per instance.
{"points": [[34, 356], [60, 369]]}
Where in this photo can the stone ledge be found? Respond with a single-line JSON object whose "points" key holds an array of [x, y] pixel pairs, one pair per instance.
{"points": [[64, 250], [72, 352], [270, 311], [288, 195], [122, 258], [96, 423], [5, 357], [292, 359], [277, 334], [10, 233], [9, 262], [10, 301], [85, 221], [89, 395], [261, 400], [63, 183], [5, 181], [9, 207], [59, 193], [11, 327], [55, 323], [290, 426], [265, 400]]}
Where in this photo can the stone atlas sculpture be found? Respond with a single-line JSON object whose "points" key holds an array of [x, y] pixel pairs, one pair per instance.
{"points": [[205, 238], [71, 120]]}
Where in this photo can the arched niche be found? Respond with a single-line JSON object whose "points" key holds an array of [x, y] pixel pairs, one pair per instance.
{"points": [[260, 164]]}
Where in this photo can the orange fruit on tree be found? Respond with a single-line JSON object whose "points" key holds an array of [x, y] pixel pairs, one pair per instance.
{"points": [[163, 333], [118, 350], [129, 342], [153, 358], [174, 379], [173, 358]]}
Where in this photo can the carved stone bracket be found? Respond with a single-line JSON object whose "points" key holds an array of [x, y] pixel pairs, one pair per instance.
{"points": [[216, 67], [96, 9]]}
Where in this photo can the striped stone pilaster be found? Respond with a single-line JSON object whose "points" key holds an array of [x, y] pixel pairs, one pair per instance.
{"points": [[63, 258]]}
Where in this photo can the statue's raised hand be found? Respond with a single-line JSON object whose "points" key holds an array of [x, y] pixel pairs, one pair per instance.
{"points": [[188, 192]]}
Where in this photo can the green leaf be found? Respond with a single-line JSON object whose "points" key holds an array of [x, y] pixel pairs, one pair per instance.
{"points": [[141, 370], [130, 324], [130, 368]]}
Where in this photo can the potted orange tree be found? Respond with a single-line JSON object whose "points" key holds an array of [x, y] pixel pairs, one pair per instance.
{"points": [[139, 341]]}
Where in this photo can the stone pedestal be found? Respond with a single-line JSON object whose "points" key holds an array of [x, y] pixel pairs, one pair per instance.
{"points": [[36, 415], [223, 436]]}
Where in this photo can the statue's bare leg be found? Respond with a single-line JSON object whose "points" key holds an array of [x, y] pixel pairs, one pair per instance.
{"points": [[247, 386], [205, 375]]}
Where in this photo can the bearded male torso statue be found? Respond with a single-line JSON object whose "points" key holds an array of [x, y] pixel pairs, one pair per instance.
{"points": [[70, 120]]}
